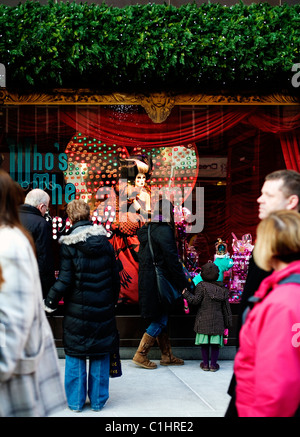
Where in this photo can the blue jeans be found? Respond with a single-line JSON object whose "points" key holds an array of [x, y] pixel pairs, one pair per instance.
{"points": [[155, 327], [76, 382]]}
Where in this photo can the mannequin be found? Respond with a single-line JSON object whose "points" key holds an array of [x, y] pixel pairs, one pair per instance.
{"points": [[133, 210]]}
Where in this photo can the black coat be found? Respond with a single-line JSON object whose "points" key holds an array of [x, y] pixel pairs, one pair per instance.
{"points": [[40, 229], [166, 256], [90, 284], [254, 278]]}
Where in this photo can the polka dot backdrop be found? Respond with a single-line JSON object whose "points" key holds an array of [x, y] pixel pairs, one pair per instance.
{"points": [[93, 168]]}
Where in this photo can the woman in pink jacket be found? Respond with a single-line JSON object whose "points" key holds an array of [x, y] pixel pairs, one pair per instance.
{"points": [[267, 365]]}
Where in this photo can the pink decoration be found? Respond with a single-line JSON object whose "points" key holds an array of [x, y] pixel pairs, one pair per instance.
{"points": [[242, 250]]}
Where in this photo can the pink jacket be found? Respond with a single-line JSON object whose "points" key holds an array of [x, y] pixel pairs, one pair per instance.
{"points": [[267, 365]]}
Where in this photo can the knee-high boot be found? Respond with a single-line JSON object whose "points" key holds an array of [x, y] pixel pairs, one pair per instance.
{"points": [[167, 358], [140, 358]]}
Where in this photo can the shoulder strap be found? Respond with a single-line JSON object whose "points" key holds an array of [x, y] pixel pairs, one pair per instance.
{"points": [[295, 277], [150, 243]]}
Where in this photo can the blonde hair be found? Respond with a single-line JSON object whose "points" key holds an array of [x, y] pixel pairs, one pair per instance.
{"points": [[278, 237], [78, 210]]}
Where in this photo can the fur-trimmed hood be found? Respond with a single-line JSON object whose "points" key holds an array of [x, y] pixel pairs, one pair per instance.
{"points": [[85, 236]]}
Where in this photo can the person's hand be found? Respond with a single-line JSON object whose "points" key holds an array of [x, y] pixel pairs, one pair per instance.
{"points": [[47, 309], [184, 290]]}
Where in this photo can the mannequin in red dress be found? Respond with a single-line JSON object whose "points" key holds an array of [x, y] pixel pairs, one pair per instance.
{"points": [[133, 210]]}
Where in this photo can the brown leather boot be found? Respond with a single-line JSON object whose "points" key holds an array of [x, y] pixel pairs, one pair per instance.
{"points": [[140, 358], [167, 358]]}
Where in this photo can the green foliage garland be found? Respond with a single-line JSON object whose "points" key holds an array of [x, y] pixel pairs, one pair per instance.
{"points": [[150, 46]]}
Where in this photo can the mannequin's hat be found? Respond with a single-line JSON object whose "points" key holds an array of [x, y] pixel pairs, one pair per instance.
{"points": [[130, 167]]}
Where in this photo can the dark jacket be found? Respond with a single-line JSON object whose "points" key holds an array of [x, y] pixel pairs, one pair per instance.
{"points": [[90, 284], [254, 278], [214, 313], [40, 229], [166, 256]]}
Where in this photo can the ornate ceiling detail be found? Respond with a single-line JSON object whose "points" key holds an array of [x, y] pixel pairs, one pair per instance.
{"points": [[157, 105]]}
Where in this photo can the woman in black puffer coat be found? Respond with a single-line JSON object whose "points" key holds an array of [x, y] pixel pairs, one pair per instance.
{"points": [[166, 256], [89, 283]]}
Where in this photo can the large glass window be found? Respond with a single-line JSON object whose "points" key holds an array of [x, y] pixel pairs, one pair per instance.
{"points": [[74, 152]]}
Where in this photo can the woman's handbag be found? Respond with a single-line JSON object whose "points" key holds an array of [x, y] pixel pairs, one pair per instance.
{"points": [[168, 294]]}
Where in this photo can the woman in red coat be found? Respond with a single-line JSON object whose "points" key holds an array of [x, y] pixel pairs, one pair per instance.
{"points": [[267, 365]]}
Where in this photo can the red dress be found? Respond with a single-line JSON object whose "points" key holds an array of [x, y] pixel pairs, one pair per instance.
{"points": [[126, 245]]}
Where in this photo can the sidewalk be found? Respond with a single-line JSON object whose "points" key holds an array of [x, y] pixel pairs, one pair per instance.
{"points": [[174, 391]]}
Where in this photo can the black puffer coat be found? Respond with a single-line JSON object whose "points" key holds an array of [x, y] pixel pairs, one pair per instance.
{"points": [[89, 282], [40, 229], [166, 256]]}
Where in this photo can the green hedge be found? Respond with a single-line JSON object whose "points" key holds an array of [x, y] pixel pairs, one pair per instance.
{"points": [[150, 46]]}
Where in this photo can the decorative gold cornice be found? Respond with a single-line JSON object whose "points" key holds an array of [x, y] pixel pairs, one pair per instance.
{"points": [[157, 105]]}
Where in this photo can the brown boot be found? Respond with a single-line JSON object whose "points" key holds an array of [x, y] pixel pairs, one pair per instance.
{"points": [[167, 358], [140, 358]]}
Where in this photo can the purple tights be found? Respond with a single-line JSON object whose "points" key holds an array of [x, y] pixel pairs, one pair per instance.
{"points": [[214, 353]]}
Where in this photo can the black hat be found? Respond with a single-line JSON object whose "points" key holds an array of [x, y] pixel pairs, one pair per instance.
{"points": [[129, 166], [209, 272]]}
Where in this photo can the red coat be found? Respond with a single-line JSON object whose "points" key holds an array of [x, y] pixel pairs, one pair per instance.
{"points": [[267, 365]]}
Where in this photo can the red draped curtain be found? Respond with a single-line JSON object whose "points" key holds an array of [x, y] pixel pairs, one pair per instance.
{"points": [[291, 149], [284, 122], [133, 127], [137, 129]]}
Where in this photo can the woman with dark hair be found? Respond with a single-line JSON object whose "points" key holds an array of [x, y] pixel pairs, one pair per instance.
{"points": [[166, 255], [30, 381]]}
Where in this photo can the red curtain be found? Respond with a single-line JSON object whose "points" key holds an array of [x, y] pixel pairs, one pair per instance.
{"points": [[137, 128], [291, 150], [132, 127], [285, 122]]}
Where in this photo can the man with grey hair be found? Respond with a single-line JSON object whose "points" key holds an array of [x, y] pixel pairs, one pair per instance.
{"points": [[32, 217]]}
